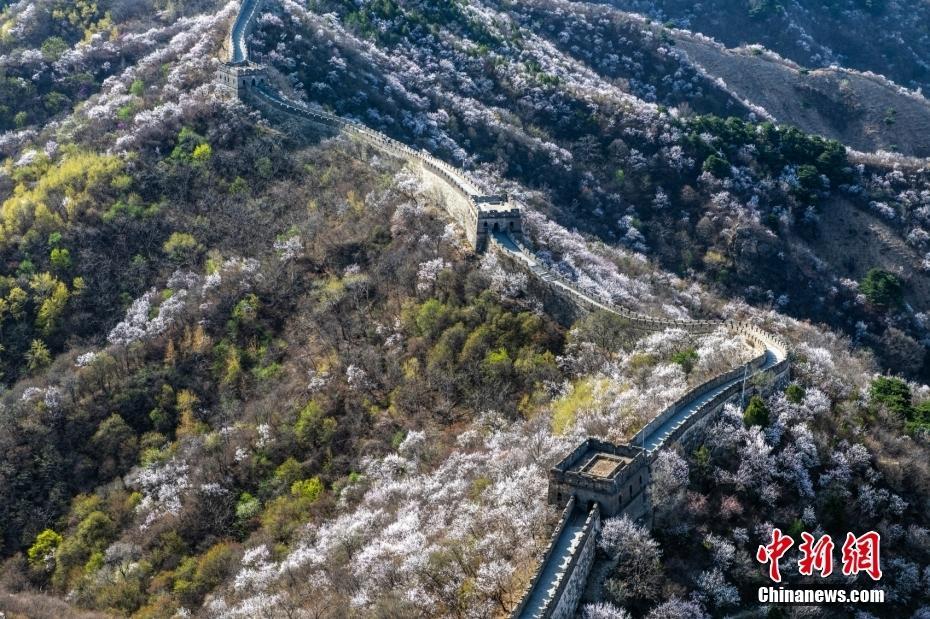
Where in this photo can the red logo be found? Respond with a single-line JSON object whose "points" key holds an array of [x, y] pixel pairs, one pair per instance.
{"points": [[816, 556], [860, 554], [771, 553]]}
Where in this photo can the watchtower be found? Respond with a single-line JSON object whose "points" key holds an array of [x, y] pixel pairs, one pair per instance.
{"points": [[616, 477], [496, 213], [239, 78]]}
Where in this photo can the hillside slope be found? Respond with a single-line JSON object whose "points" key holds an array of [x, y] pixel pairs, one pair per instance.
{"points": [[882, 36], [249, 371], [864, 112], [552, 96]]}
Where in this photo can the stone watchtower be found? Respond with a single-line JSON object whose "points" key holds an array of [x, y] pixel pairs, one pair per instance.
{"points": [[616, 477], [239, 77], [496, 213]]}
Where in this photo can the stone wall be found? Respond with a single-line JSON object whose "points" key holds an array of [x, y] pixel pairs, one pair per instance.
{"points": [[567, 514], [480, 216], [463, 201], [458, 206], [747, 369], [622, 493], [771, 364], [573, 583], [242, 26]]}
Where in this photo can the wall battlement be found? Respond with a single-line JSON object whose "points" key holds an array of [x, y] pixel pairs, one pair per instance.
{"points": [[238, 79], [613, 476], [596, 477], [478, 214]]}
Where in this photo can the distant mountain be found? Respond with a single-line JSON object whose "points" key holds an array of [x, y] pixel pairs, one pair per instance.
{"points": [[864, 111], [883, 36]]}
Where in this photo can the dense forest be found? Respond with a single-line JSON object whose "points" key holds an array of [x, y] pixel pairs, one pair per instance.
{"points": [[252, 370], [887, 38]]}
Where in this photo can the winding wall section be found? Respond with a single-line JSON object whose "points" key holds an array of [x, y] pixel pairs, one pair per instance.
{"points": [[555, 589], [238, 48]]}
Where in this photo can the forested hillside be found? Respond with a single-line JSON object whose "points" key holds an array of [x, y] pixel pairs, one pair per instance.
{"points": [[250, 370], [735, 201], [884, 37]]}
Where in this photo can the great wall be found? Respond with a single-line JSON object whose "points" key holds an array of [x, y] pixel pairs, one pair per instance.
{"points": [[598, 479]]}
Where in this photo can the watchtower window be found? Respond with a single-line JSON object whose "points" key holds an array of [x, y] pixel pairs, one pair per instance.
{"points": [[253, 81], [496, 227], [510, 225]]}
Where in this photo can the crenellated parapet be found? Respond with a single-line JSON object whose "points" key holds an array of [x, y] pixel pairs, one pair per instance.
{"points": [[240, 79], [597, 478], [478, 213], [614, 479], [238, 49], [613, 476]]}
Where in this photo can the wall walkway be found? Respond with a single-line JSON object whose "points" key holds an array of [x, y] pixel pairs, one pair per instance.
{"points": [[565, 556], [557, 585]]}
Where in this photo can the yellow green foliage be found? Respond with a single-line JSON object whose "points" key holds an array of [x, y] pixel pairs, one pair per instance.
{"points": [[46, 197], [310, 489], [286, 514], [42, 552], [478, 486], [641, 361], [331, 291], [84, 14], [287, 473], [313, 427], [431, 318], [198, 576], [202, 153], [60, 258], [38, 356], [565, 409], [356, 203], [159, 606], [52, 297], [181, 246], [94, 563], [16, 299], [93, 534], [116, 442], [188, 424], [248, 506], [233, 366], [246, 310]]}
